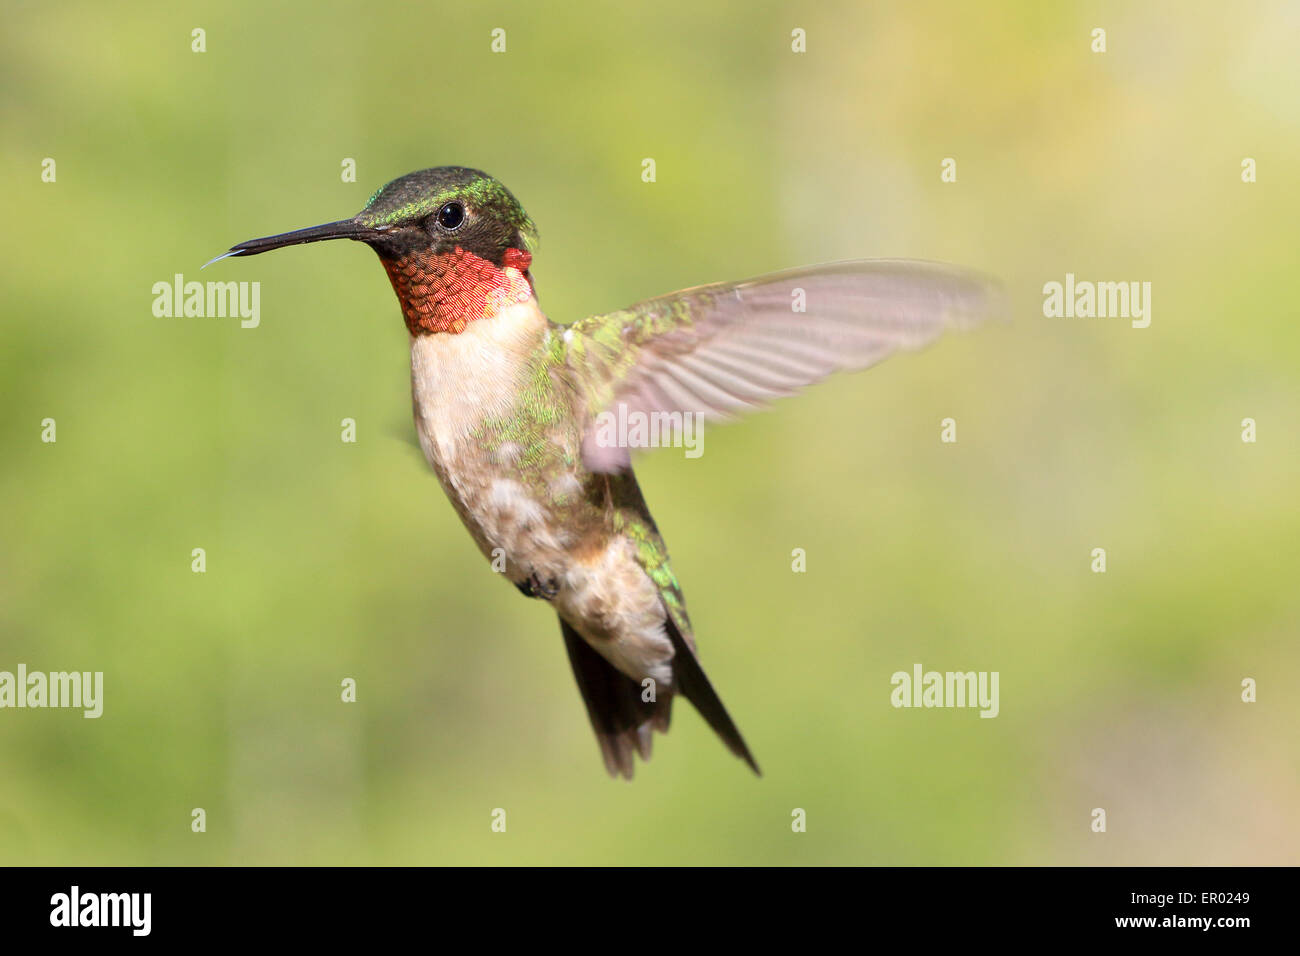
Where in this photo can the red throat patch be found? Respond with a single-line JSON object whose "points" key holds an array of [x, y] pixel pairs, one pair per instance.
{"points": [[445, 293]]}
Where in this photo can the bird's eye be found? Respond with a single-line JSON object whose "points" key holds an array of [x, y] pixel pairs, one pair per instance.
{"points": [[451, 216]]}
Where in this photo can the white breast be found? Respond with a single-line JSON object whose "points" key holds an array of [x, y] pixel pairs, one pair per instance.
{"points": [[459, 380]]}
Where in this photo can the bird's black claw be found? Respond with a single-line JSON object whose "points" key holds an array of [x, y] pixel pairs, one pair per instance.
{"points": [[535, 587]]}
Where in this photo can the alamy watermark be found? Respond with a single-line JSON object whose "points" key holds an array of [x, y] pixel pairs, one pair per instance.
{"points": [[82, 689], [946, 689], [1085, 299], [626, 428], [213, 300], [75, 908]]}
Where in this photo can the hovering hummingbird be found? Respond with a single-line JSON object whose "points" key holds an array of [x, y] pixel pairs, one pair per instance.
{"points": [[506, 403]]}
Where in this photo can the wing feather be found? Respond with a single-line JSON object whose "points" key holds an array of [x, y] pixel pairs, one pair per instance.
{"points": [[719, 350]]}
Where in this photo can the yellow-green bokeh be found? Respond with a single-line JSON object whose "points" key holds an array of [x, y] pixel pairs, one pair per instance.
{"points": [[329, 560]]}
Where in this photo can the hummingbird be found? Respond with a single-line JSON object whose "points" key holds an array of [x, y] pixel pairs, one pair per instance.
{"points": [[506, 406]]}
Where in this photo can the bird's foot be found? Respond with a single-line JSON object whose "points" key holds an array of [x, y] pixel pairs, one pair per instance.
{"points": [[535, 587]]}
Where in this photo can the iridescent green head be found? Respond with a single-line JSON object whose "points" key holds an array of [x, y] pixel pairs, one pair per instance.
{"points": [[433, 211], [452, 206]]}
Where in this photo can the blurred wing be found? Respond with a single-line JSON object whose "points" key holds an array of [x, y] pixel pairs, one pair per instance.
{"points": [[719, 350]]}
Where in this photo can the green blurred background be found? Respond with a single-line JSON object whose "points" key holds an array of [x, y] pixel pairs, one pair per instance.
{"points": [[328, 560]]}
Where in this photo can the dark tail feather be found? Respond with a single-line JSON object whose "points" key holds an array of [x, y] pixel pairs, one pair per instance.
{"points": [[695, 687], [622, 720]]}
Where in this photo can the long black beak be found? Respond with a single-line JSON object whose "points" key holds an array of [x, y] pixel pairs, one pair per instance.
{"points": [[343, 229]]}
